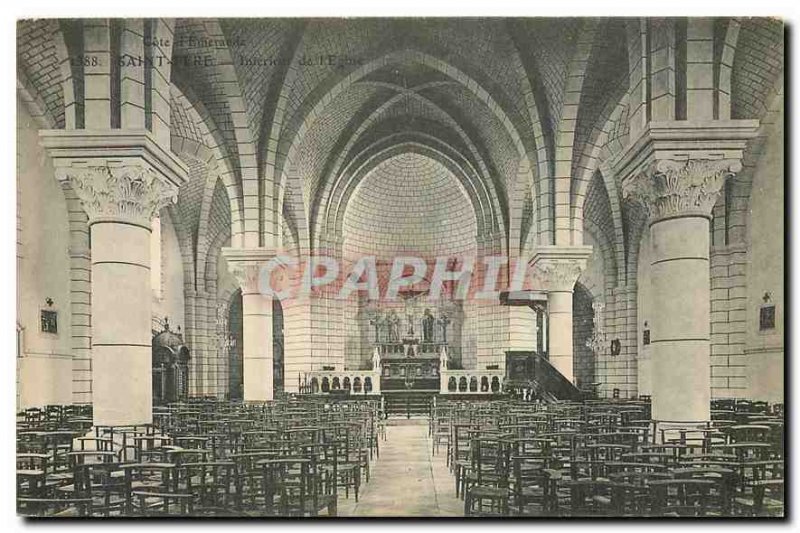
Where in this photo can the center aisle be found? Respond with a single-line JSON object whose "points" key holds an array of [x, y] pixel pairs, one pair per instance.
{"points": [[406, 480]]}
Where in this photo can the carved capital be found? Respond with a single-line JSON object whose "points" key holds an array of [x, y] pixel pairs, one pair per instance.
{"points": [[245, 265], [557, 268], [671, 188], [558, 274], [131, 193], [246, 273]]}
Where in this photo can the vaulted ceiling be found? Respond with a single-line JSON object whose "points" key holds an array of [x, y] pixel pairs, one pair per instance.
{"points": [[316, 105]]}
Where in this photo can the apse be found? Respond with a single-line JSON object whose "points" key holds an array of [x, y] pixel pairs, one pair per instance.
{"points": [[408, 205]]}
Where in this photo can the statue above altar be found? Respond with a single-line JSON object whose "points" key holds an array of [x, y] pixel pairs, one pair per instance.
{"points": [[386, 327], [412, 331], [427, 326]]}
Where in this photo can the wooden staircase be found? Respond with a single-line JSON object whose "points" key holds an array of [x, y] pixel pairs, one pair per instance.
{"points": [[527, 368]]}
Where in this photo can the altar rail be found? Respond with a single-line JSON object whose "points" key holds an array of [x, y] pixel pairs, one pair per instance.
{"points": [[471, 381], [357, 381]]}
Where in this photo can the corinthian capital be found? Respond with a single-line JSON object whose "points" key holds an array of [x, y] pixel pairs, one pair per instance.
{"points": [[132, 193], [558, 275], [245, 265], [557, 268], [247, 274], [670, 188]]}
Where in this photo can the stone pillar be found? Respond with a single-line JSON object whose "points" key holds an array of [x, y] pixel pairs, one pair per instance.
{"points": [[494, 320], [556, 269], [204, 353], [190, 336], [245, 264], [121, 187], [675, 170], [679, 196]]}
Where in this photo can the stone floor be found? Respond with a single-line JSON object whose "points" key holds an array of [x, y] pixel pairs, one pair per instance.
{"points": [[406, 480]]}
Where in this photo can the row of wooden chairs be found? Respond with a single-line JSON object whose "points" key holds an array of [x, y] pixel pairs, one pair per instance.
{"points": [[291, 457], [598, 458]]}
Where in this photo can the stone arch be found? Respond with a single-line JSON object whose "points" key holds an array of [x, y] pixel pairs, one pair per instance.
{"points": [[315, 109], [597, 160], [372, 118], [214, 154], [373, 160]]}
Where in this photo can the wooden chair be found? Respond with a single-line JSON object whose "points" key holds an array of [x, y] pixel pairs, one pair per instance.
{"points": [[54, 507], [765, 498], [459, 459], [761, 490], [439, 429], [289, 487], [487, 493], [683, 497], [528, 484], [160, 480], [590, 497], [153, 503], [211, 485], [32, 471], [103, 482], [349, 460], [249, 478], [724, 478]]}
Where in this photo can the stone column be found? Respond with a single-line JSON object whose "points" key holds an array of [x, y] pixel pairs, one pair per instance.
{"points": [[245, 265], [190, 336], [556, 269], [203, 351], [121, 301], [675, 170], [122, 180], [679, 196]]}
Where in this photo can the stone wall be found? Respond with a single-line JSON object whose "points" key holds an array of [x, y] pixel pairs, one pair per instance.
{"points": [[43, 266], [764, 349]]}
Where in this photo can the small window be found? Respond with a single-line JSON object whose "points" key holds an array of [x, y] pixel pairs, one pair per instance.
{"points": [[766, 318], [49, 321], [646, 337]]}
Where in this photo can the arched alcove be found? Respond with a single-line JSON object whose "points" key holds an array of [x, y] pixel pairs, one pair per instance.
{"points": [[279, 375], [410, 204], [236, 328]]}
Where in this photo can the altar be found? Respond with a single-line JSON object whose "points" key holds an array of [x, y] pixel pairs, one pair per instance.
{"points": [[410, 365], [410, 350]]}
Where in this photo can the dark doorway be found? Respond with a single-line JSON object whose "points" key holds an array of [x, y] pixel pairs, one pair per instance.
{"points": [[235, 325]]}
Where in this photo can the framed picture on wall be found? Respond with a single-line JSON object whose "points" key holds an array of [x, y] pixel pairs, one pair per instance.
{"points": [[49, 321], [766, 317]]}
